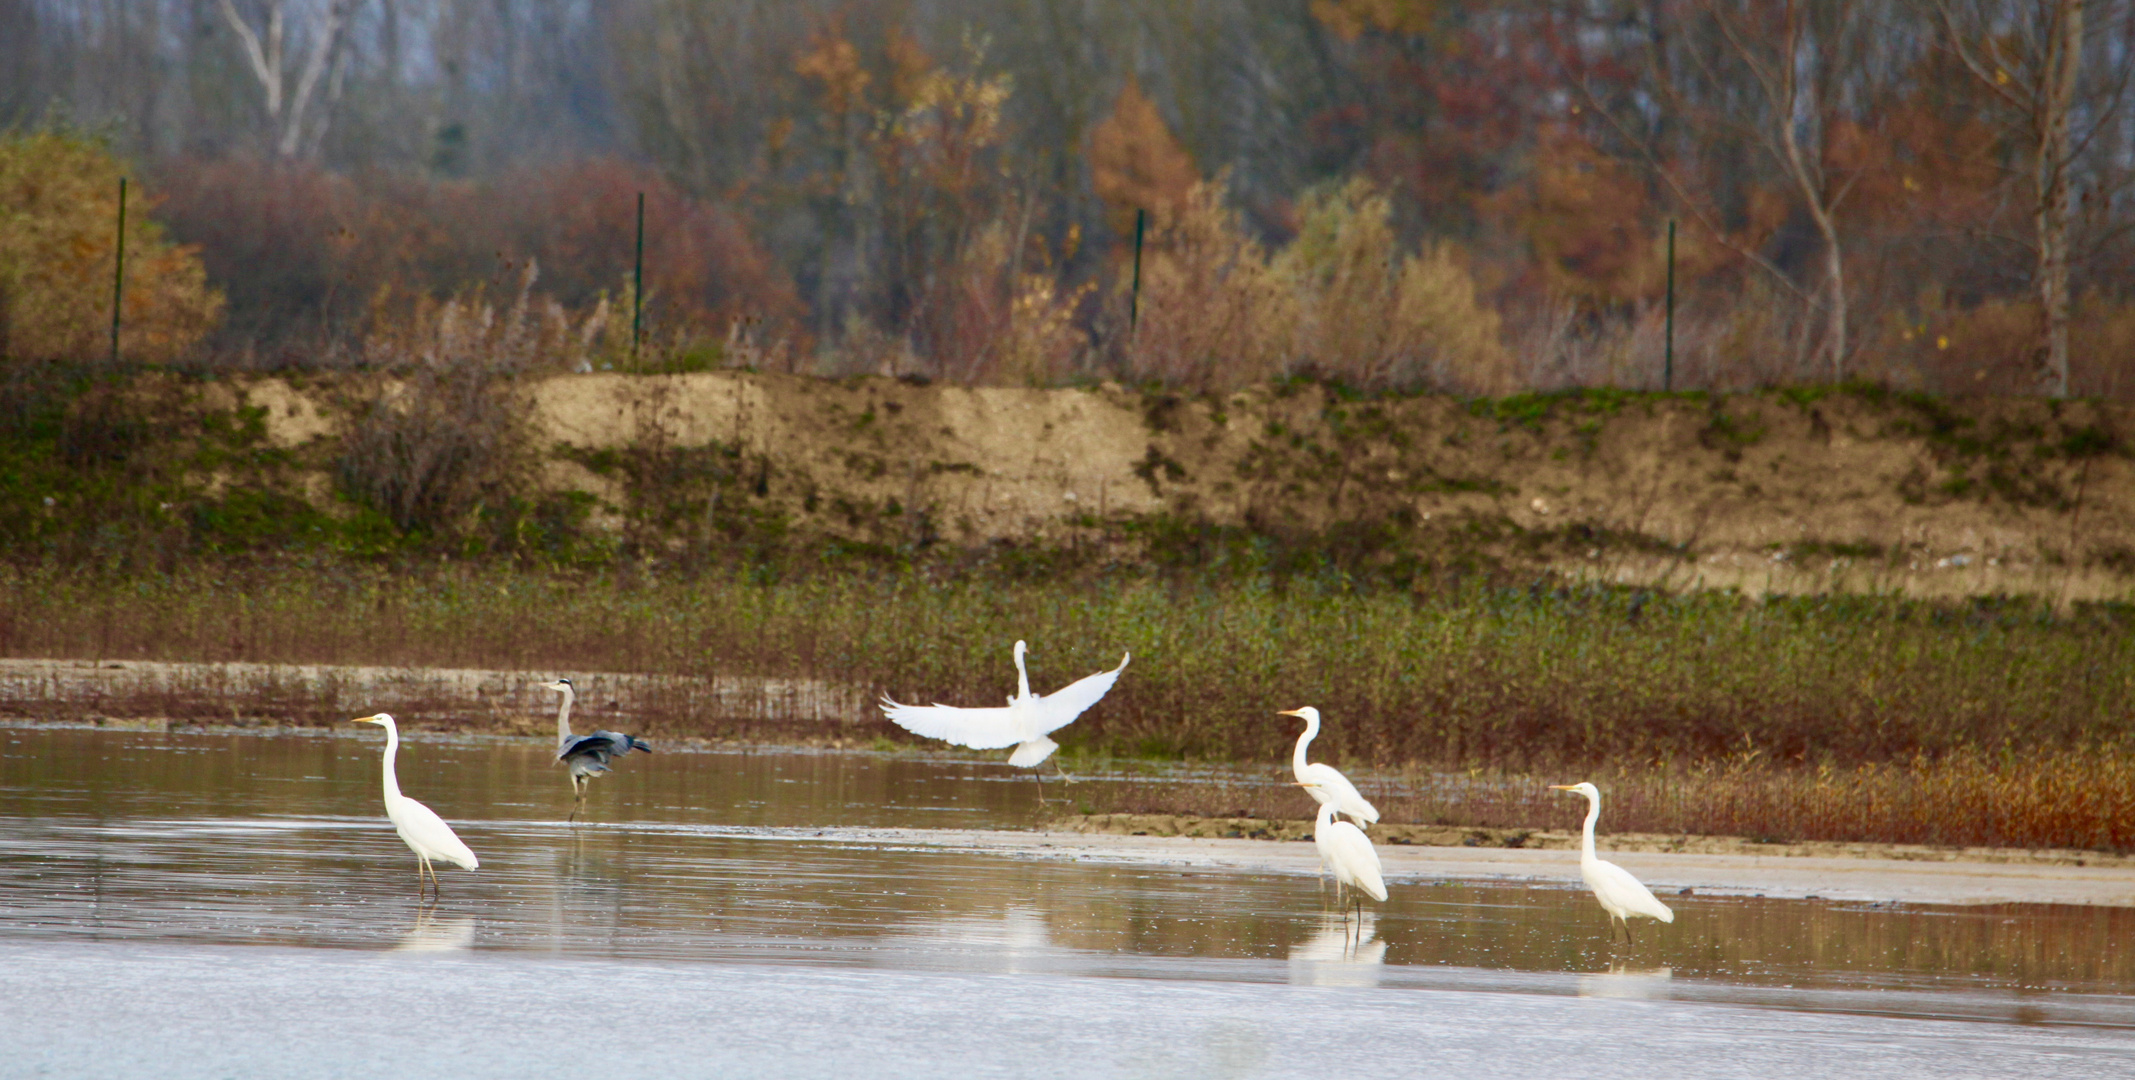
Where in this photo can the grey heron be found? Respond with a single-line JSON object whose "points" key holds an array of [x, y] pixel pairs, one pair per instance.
{"points": [[586, 756]]}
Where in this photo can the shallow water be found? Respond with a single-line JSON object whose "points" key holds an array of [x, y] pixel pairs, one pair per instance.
{"points": [[718, 885]]}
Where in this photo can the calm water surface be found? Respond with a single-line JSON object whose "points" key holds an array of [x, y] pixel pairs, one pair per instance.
{"points": [[210, 905]]}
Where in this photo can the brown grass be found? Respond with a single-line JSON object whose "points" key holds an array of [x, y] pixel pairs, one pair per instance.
{"points": [[1810, 719]]}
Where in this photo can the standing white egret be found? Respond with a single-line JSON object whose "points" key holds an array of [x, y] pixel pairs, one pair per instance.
{"points": [[419, 826], [1345, 850], [587, 755], [1023, 724], [1324, 781], [1621, 895]]}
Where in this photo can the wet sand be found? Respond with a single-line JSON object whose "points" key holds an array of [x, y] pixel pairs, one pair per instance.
{"points": [[1828, 877]]}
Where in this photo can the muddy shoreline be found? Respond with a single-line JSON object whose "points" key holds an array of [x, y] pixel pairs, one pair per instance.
{"points": [[1962, 878]]}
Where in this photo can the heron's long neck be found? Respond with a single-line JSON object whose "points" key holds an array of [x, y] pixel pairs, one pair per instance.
{"points": [[1297, 757], [1022, 679], [1325, 818], [563, 717], [1586, 842], [392, 750]]}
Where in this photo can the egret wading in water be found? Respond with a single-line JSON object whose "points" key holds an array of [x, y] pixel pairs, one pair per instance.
{"points": [[1324, 781], [419, 826], [586, 755], [1621, 895], [1347, 852], [1023, 724]]}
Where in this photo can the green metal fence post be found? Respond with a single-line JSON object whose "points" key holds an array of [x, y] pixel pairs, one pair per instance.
{"points": [[637, 286], [1668, 351], [118, 273]]}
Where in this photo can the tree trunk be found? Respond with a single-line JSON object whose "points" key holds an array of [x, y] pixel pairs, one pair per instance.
{"points": [[2064, 60]]}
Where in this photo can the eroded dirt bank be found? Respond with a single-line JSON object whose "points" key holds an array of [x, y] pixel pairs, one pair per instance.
{"points": [[1788, 492]]}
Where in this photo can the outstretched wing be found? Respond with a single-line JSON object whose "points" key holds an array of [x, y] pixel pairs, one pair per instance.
{"points": [[621, 743], [979, 729], [1060, 708], [599, 746]]}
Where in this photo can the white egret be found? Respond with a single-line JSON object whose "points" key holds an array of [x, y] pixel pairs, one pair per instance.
{"points": [[1621, 895], [1023, 724], [1347, 852], [586, 755], [419, 826], [1324, 781]]}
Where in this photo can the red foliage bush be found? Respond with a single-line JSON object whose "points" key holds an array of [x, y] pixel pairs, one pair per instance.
{"points": [[305, 255]]}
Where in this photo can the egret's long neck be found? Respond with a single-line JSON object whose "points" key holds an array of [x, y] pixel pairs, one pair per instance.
{"points": [[1326, 817], [392, 750], [1297, 757], [563, 717], [1586, 841], [1022, 678]]}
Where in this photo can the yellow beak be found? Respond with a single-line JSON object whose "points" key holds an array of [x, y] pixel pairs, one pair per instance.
{"points": [[1562, 787], [1288, 712], [372, 719]]}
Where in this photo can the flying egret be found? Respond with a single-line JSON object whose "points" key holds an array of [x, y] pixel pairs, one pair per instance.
{"points": [[1023, 724], [1345, 850], [587, 755], [419, 826], [1621, 895], [1324, 781]]}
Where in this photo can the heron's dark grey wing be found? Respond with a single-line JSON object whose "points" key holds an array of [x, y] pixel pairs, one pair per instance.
{"points": [[640, 744], [621, 743], [599, 746]]}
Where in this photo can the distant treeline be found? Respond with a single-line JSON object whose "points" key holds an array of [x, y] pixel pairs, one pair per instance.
{"points": [[1459, 194]]}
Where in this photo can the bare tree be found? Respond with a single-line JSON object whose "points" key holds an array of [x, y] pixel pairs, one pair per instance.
{"points": [[268, 56], [1791, 64], [2029, 56]]}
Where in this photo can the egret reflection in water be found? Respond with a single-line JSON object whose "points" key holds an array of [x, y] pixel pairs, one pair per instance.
{"points": [[1625, 982], [1341, 952], [437, 933]]}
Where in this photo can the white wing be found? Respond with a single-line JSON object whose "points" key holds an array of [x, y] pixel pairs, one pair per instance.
{"points": [[428, 834], [1330, 786], [1060, 708], [979, 729], [1623, 894], [1346, 850]]}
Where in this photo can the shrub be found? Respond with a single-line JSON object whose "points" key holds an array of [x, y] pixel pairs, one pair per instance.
{"points": [[58, 209], [1214, 315]]}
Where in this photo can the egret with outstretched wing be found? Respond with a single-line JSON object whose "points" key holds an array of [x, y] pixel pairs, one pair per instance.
{"points": [[1024, 723]]}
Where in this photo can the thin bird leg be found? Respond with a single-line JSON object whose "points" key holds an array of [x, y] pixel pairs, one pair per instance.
{"points": [[1063, 771], [578, 796], [1627, 938], [1040, 781]]}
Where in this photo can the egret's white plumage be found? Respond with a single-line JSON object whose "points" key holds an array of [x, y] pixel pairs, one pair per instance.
{"points": [[1622, 896], [1347, 853], [1324, 781], [425, 833], [1024, 723]]}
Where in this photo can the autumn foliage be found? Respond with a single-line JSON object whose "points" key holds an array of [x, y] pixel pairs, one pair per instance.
{"points": [[58, 229]]}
